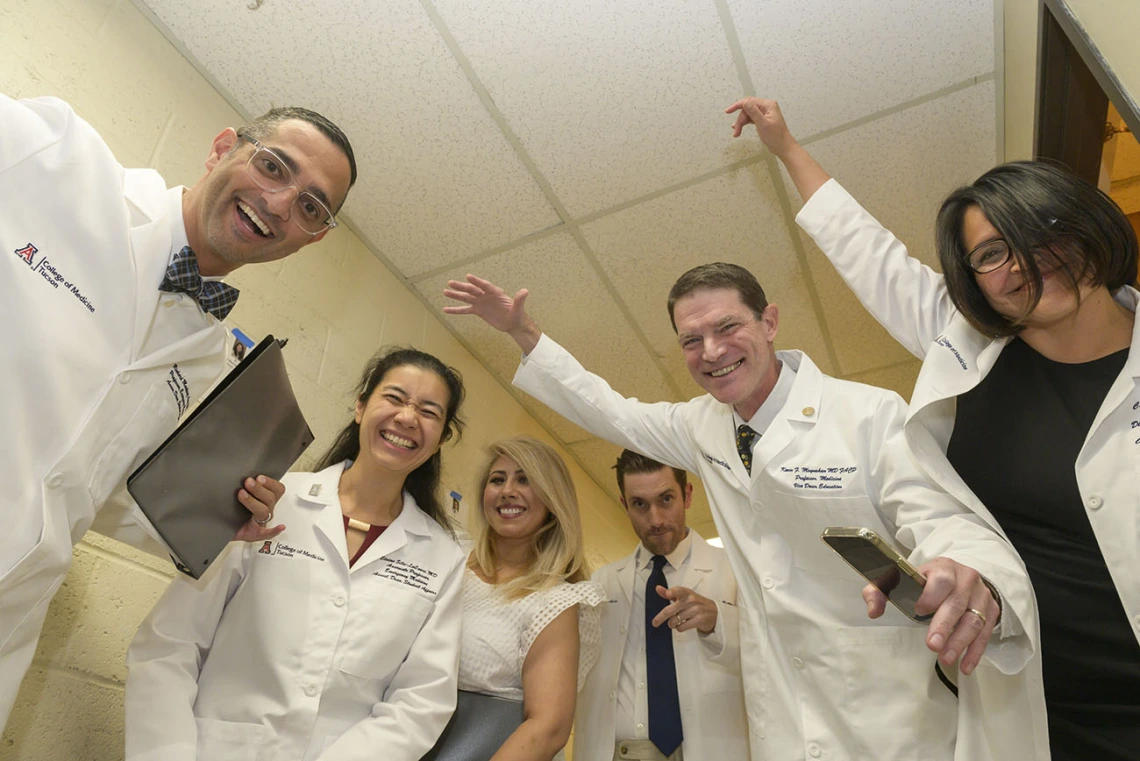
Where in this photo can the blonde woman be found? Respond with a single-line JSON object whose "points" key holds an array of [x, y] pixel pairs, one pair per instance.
{"points": [[531, 626]]}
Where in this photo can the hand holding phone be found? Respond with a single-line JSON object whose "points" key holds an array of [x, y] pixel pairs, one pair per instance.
{"points": [[965, 608], [881, 565]]}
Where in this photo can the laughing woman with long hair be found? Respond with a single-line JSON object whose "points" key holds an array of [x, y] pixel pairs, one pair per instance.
{"points": [[340, 638]]}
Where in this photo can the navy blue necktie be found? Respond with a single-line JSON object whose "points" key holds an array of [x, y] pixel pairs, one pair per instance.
{"points": [[661, 669], [182, 276]]}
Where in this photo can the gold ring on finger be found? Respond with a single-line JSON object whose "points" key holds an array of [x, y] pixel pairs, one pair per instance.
{"points": [[977, 613]]}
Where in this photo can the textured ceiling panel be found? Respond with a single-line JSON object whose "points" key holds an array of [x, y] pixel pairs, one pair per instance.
{"points": [[612, 98], [570, 302], [829, 63], [499, 137], [438, 181]]}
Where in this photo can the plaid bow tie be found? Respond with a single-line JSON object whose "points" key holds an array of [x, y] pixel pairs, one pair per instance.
{"points": [[182, 276]]}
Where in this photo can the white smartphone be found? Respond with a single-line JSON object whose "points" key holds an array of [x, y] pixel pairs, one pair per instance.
{"points": [[879, 563]]}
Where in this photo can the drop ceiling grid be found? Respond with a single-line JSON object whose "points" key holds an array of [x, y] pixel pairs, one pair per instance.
{"points": [[568, 300], [615, 100], [437, 176], [455, 179], [829, 63]]}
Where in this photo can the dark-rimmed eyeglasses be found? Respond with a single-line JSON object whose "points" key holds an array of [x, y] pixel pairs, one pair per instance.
{"points": [[993, 254], [989, 256], [272, 174]]}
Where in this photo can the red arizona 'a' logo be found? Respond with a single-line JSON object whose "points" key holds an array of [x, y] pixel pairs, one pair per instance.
{"points": [[26, 253], [266, 549]]}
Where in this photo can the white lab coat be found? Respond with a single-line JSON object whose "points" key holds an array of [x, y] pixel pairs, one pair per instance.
{"points": [[821, 680], [95, 370], [283, 653], [708, 667], [912, 302]]}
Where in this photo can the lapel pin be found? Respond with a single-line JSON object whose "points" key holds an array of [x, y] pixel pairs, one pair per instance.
{"points": [[809, 411], [315, 490]]}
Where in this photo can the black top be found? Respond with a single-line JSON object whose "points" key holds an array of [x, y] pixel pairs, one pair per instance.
{"points": [[1015, 443]]}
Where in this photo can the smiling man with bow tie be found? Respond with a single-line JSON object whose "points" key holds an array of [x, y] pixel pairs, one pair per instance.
{"points": [[111, 303]]}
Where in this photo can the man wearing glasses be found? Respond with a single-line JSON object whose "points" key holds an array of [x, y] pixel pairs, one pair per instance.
{"points": [[111, 303]]}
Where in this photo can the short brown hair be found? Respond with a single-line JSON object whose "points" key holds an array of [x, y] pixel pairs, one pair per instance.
{"points": [[1045, 209], [263, 126], [719, 275], [630, 462]]}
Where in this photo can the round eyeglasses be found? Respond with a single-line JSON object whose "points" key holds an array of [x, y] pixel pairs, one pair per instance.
{"points": [[272, 174], [989, 256]]}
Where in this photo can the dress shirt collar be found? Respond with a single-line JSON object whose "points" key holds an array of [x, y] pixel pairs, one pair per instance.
{"points": [[178, 239], [772, 405]]}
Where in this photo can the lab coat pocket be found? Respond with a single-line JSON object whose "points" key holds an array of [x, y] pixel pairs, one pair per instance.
{"points": [[383, 624], [228, 740], [717, 678], [886, 686], [153, 420]]}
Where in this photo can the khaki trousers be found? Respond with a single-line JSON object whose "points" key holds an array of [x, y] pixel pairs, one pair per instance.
{"points": [[642, 750]]}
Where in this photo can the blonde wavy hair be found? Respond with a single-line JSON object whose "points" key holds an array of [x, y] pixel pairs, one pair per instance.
{"points": [[558, 552]]}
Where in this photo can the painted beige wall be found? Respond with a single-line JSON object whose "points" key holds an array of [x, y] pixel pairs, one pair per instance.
{"points": [[1113, 26], [1020, 75], [334, 301]]}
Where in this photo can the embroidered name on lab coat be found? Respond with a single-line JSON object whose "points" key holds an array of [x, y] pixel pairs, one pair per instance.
{"points": [[409, 574], [945, 342], [284, 550], [816, 477], [51, 275], [1135, 422], [716, 461], [179, 389]]}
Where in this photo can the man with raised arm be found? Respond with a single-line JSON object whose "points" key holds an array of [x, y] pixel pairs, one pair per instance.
{"points": [[784, 451]]}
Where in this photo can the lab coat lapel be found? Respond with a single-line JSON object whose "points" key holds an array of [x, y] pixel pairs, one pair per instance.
{"points": [[801, 408], [319, 492], [626, 576], [700, 563], [150, 241]]}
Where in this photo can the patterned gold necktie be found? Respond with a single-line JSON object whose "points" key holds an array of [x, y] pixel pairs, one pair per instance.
{"points": [[744, 438]]}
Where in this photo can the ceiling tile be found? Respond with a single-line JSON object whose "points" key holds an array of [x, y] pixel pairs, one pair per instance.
{"points": [[899, 168], [439, 182], [735, 218], [571, 303], [829, 63], [613, 99]]}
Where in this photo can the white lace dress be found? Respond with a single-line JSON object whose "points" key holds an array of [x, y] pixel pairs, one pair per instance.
{"points": [[498, 633]]}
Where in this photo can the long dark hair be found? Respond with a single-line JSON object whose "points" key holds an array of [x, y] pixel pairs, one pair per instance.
{"points": [[1041, 208], [423, 482]]}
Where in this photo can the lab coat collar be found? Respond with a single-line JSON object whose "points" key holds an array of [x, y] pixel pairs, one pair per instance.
{"points": [[321, 491], [693, 550], [152, 232], [804, 400]]}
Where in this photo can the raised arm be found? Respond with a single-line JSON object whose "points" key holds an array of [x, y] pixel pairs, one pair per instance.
{"points": [[908, 298], [551, 375]]}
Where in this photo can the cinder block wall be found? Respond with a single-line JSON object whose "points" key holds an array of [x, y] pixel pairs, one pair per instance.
{"points": [[334, 301]]}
